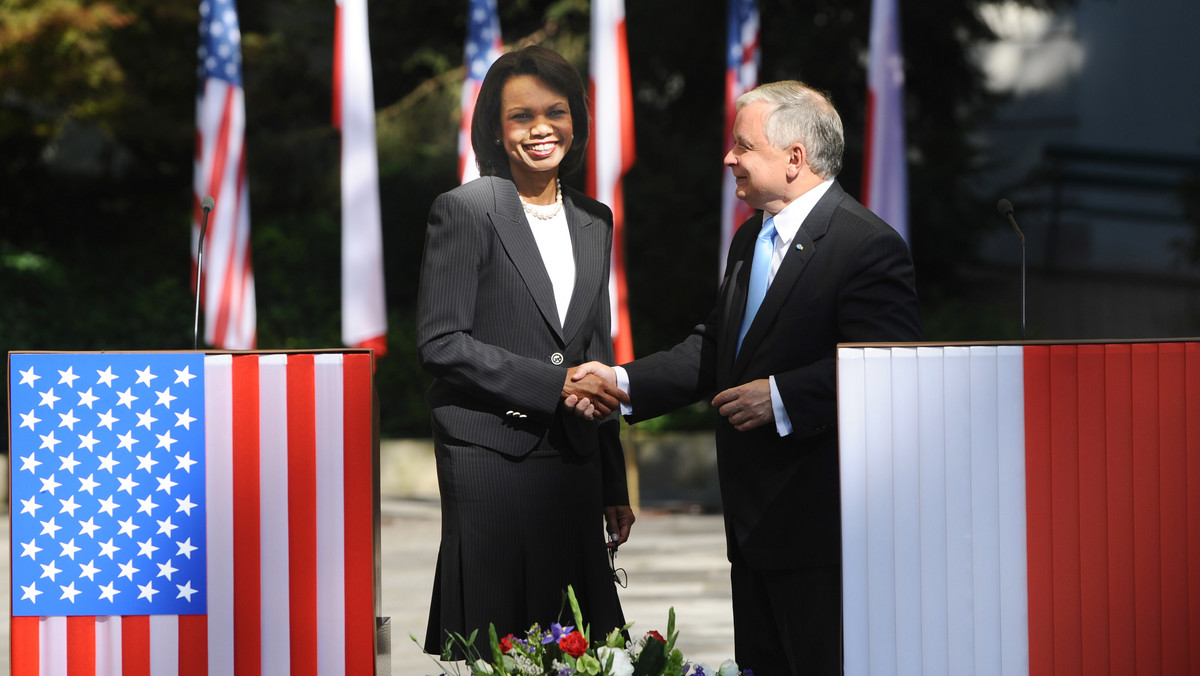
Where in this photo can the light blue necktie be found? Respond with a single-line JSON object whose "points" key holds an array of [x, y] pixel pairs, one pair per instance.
{"points": [[760, 272]]}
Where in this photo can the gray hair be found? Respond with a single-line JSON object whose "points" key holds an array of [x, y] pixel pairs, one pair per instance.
{"points": [[800, 114]]}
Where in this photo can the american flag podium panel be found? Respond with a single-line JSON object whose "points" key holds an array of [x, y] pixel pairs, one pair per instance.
{"points": [[193, 513], [1020, 509]]}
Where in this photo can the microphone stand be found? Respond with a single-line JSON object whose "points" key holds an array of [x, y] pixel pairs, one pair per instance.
{"points": [[1006, 209], [206, 205], [1014, 223]]}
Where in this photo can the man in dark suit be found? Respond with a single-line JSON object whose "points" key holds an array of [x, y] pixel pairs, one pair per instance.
{"points": [[832, 272]]}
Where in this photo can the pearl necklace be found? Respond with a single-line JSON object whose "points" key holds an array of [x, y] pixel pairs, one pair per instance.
{"points": [[545, 212]]}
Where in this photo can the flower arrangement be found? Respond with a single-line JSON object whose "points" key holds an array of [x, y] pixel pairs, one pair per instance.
{"points": [[567, 651]]}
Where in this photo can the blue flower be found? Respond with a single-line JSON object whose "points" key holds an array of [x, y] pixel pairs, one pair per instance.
{"points": [[557, 631]]}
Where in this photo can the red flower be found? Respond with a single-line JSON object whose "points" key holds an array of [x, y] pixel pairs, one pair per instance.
{"points": [[506, 644], [656, 636], [573, 644]]}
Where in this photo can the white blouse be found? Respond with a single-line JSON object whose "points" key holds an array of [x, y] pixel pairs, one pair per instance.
{"points": [[554, 242]]}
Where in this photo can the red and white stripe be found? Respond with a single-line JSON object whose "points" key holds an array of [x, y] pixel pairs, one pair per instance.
{"points": [[290, 537], [1021, 509], [364, 306], [220, 172], [741, 75], [611, 150]]}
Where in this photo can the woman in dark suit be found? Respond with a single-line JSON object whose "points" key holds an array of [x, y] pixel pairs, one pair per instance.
{"points": [[514, 289]]}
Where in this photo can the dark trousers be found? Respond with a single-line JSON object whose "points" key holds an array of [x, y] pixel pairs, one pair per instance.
{"points": [[787, 622]]}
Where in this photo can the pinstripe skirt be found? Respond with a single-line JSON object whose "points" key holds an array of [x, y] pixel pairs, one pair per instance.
{"points": [[515, 533]]}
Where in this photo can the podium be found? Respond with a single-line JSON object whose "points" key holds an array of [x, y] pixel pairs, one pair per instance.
{"points": [[1021, 509], [200, 512]]}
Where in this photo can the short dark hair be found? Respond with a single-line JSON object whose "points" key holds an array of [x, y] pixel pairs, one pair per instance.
{"points": [[559, 75]]}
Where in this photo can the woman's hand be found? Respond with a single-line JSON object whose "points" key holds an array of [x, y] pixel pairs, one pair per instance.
{"points": [[618, 521], [590, 395]]}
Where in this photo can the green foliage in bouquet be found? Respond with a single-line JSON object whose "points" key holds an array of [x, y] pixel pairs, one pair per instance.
{"points": [[567, 651]]}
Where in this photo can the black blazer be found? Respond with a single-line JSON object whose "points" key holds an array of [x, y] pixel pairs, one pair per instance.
{"points": [[847, 277], [488, 329]]}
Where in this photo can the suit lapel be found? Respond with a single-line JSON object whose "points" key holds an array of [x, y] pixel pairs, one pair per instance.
{"points": [[740, 283], [801, 250], [587, 241], [515, 235]]}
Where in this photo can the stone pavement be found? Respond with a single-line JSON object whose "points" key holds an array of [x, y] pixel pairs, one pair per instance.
{"points": [[674, 558]]}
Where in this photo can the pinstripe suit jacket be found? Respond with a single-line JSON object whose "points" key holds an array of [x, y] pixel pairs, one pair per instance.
{"points": [[488, 329], [847, 277]]}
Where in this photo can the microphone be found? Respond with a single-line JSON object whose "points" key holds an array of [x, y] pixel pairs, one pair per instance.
{"points": [[1006, 210], [206, 205]]}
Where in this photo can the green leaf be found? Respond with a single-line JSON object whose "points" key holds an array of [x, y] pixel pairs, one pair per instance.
{"points": [[652, 659], [671, 633], [578, 615], [616, 638], [674, 664], [497, 654]]}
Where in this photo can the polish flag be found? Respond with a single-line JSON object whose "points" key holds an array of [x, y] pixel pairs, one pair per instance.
{"points": [[611, 150], [364, 307], [885, 171], [1021, 509]]}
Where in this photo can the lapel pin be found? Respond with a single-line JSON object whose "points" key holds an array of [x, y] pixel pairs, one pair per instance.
{"points": [[799, 247]]}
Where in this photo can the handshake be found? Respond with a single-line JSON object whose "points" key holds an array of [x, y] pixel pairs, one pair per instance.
{"points": [[591, 391]]}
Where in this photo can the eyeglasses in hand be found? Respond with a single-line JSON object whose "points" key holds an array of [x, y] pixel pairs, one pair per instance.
{"points": [[619, 574]]}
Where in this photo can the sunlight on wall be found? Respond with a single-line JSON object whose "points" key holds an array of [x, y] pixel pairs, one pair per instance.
{"points": [[1035, 50]]}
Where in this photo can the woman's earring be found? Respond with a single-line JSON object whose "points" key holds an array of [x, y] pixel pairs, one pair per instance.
{"points": [[497, 141]]}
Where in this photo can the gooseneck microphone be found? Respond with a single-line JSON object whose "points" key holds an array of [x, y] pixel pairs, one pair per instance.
{"points": [[206, 205], [1006, 210]]}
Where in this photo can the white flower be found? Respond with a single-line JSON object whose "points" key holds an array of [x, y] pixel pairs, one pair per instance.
{"points": [[621, 666], [728, 668], [635, 647], [481, 667], [523, 665]]}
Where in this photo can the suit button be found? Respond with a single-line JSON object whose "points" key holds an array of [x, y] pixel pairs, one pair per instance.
{"points": [[556, 359]]}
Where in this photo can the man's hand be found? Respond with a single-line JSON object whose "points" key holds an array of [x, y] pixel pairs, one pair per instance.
{"points": [[746, 406], [590, 394], [603, 370], [618, 521]]}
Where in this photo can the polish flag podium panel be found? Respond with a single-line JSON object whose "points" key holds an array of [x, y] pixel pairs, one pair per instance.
{"points": [[195, 513], [1020, 508]]}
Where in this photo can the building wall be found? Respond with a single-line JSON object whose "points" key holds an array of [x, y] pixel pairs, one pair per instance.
{"points": [[1095, 148]]}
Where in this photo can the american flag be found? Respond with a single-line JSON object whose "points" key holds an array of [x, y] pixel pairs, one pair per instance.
{"points": [[192, 514], [741, 75], [220, 172], [611, 151], [364, 306], [482, 49], [885, 171]]}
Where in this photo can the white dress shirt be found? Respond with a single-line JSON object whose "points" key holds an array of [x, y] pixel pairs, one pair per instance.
{"points": [[554, 242], [787, 224]]}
